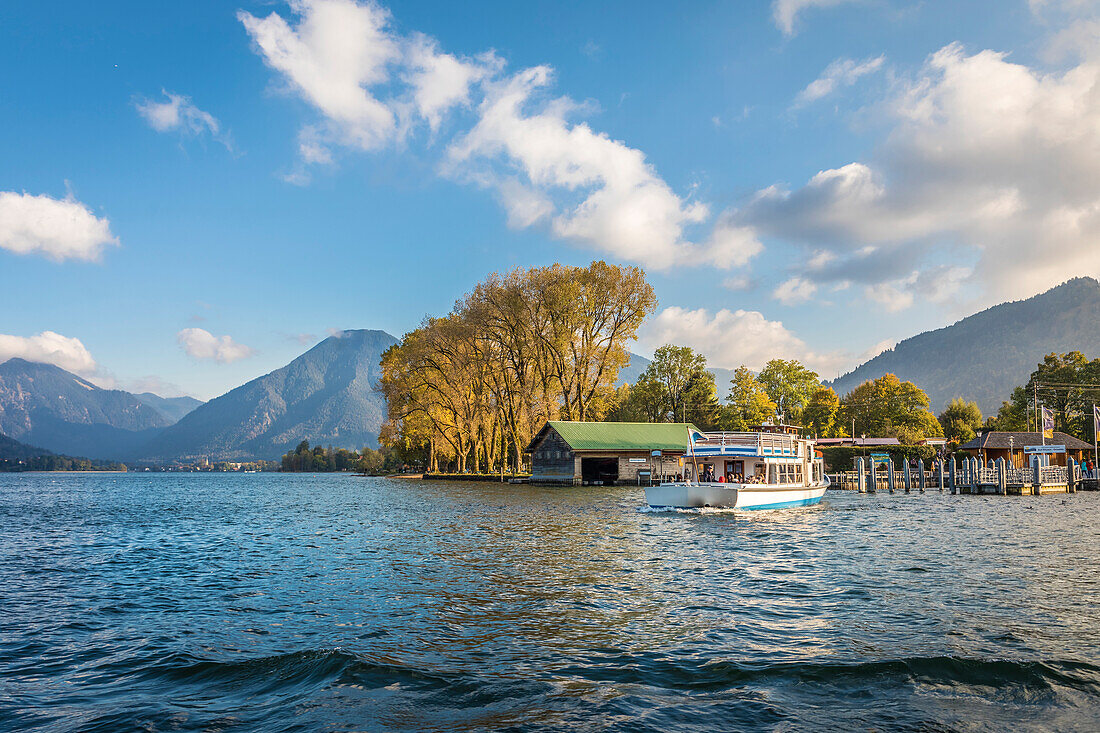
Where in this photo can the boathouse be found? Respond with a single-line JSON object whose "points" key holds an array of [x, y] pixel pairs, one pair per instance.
{"points": [[608, 453], [1015, 448]]}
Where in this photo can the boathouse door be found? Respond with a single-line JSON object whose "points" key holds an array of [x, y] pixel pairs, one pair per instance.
{"points": [[602, 470]]}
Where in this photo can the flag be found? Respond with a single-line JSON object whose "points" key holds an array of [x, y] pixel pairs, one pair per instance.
{"points": [[1048, 423]]}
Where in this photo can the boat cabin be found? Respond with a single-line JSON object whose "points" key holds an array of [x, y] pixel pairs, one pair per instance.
{"points": [[773, 454]]}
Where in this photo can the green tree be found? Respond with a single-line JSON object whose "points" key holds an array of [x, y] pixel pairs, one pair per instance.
{"points": [[790, 385], [678, 370], [821, 416], [747, 405], [887, 407], [960, 419]]}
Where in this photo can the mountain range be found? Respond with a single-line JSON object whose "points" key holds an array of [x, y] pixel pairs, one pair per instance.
{"points": [[984, 356], [327, 396], [46, 406]]}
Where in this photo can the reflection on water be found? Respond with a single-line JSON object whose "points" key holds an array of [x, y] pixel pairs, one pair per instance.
{"points": [[302, 602]]}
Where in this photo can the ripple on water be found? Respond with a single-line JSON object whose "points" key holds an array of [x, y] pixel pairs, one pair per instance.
{"points": [[272, 602]]}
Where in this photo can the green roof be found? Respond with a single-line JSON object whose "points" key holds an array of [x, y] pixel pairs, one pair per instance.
{"points": [[622, 435]]}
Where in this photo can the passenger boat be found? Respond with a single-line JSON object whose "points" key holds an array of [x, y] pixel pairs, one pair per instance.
{"points": [[771, 468]]}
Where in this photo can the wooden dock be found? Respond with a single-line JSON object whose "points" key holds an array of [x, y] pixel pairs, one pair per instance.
{"points": [[968, 476]]}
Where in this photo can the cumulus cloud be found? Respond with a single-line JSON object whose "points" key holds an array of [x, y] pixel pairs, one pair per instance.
{"points": [[49, 348], [531, 153], [178, 114], [988, 164], [373, 87], [794, 291], [201, 344], [732, 338], [784, 12], [840, 73], [59, 229]]}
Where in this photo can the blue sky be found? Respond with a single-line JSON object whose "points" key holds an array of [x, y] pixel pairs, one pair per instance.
{"points": [[192, 194]]}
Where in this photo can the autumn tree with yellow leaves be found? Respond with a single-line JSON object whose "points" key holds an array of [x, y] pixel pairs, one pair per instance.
{"points": [[527, 346]]}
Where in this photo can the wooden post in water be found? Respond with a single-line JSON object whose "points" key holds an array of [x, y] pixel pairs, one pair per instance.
{"points": [[939, 473], [861, 477], [872, 478], [908, 477], [890, 476], [1002, 477], [920, 477], [954, 465], [1037, 478], [975, 475], [1071, 478]]}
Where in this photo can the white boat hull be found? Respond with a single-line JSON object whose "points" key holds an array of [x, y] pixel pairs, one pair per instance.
{"points": [[732, 496]]}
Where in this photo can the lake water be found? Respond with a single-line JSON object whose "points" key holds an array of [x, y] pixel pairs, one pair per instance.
{"points": [[330, 602]]}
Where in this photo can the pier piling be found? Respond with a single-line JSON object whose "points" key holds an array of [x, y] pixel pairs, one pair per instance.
{"points": [[890, 475], [920, 475], [954, 467], [861, 477], [908, 478], [1002, 477]]}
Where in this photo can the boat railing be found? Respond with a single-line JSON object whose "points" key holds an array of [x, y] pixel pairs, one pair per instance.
{"points": [[765, 443]]}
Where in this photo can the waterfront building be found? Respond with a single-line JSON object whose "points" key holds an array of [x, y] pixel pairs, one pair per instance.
{"points": [[1016, 447], [609, 452]]}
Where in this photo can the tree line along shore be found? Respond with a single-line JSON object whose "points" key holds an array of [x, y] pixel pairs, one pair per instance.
{"points": [[466, 392]]}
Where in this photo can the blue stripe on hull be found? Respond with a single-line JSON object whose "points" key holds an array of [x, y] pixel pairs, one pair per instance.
{"points": [[783, 504]]}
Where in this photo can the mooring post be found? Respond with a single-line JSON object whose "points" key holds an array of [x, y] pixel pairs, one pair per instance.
{"points": [[861, 478], [1037, 478], [872, 478], [907, 476], [975, 476], [1002, 477], [1071, 478], [890, 474], [920, 475], [939, 473], [954, 466]]}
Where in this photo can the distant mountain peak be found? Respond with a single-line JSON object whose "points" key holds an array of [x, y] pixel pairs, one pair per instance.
{"points": [[326, 395], [984, 356]]}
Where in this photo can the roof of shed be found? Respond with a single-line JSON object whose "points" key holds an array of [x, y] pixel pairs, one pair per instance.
{"points": [[996, 439], [621, 435]]}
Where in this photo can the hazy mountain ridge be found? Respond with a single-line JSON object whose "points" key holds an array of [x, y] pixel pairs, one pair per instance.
{"points": [[984, 356], [46, 406], [172, 408], [326, 395], [12, 450]]}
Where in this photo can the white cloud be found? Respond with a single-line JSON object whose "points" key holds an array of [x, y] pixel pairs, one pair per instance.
{"points": [[738, 283], [178, 114], [732, 338], [840, 73], [441, 81], [988, 166], [57, 228], [875, 350], [594, 190], [335, 53], [372, 86], [49, 348], [794, 291], [784, 12], [201, 344]]}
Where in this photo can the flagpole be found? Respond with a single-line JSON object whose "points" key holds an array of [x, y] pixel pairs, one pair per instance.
{"points": [[1096, 441]]}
